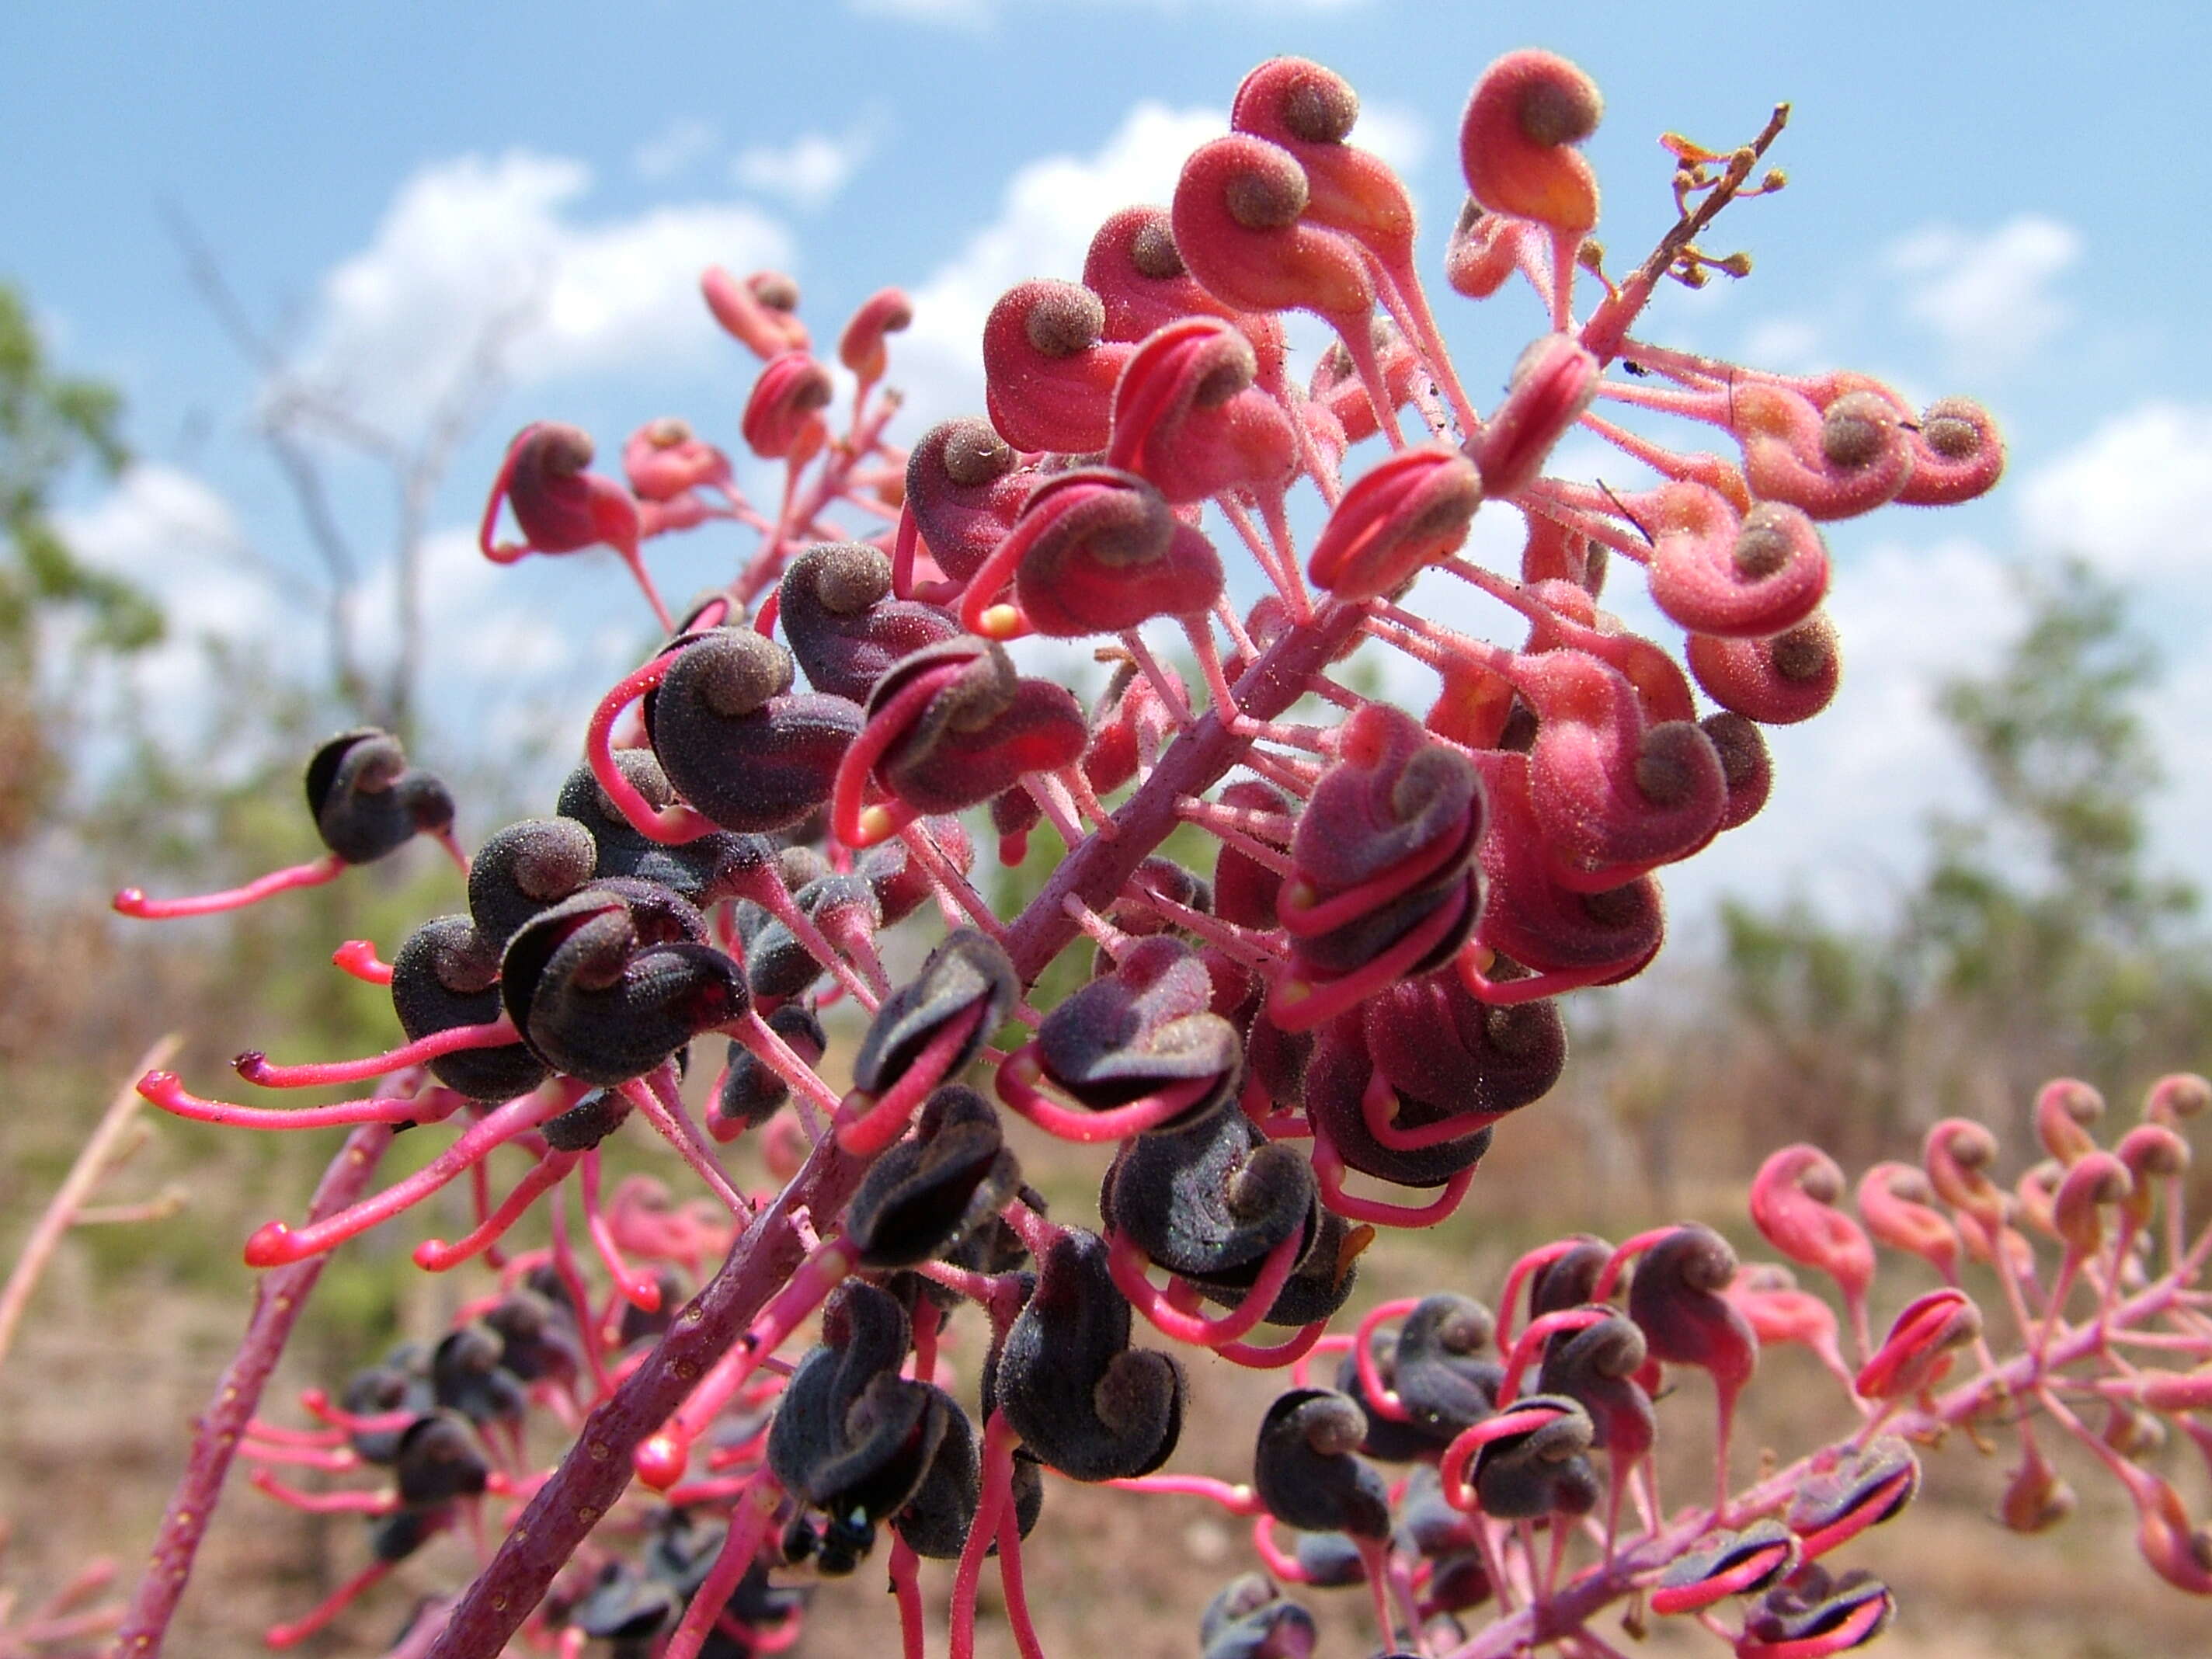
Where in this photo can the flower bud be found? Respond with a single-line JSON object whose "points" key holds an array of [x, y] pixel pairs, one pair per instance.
{"points": [[1527, 113]]}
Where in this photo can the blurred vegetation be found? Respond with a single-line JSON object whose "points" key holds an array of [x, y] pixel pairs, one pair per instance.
{"points": [[2039, 941], [53, 427], [89, 993]]}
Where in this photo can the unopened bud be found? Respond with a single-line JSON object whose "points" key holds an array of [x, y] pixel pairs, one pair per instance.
{"points": [[2064, 1109], [1917, 1353], [2037, 1498], [2171, 1098]]}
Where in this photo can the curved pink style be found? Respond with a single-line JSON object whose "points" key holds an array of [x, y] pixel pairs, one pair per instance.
{"points": [[765, 329], [562, 508], [1792, 1203], [1238, 224], [1126, 1263], [1917, 1352], [1022, 1071], [133, 901], [1516, 148]]}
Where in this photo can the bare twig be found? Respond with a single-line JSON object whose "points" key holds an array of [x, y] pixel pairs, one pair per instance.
{"points": [[292, 409], [1604, 331], [277, 1302], [1200, 759], [330, 541], [68, 1205], [465, 402], [597, 1468]]}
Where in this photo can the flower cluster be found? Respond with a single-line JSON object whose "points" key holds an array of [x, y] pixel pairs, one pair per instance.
{"points": [[1521, 1466], [448, 1426], [1313, 1039]]}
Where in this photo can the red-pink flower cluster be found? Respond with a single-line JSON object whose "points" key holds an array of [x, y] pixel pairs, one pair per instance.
{"points": [[1314, 1034]]}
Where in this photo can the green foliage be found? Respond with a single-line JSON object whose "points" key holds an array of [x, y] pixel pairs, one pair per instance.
{"points": [[51, 424], [2056, 738], [51, 427], [2040, 939]]}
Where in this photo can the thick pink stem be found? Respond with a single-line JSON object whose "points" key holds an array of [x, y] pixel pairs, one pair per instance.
{"points": [[1375, 1556], [996, 1487], [598, 1468], [278, 1301], [1010, 1579], [906, 1585]]}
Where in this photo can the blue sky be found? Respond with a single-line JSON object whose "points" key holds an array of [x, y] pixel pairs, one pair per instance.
{"points": [[2001, 199]]}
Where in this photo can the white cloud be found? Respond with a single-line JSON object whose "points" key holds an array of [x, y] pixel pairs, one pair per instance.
{"points": [[1989, 297], [808, 171], [1399, 133], [171, 534], [2134, 498], [459, 581], [472, 241], [1051, 209], [675, 147], [1791, 345], [153, 510]]}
